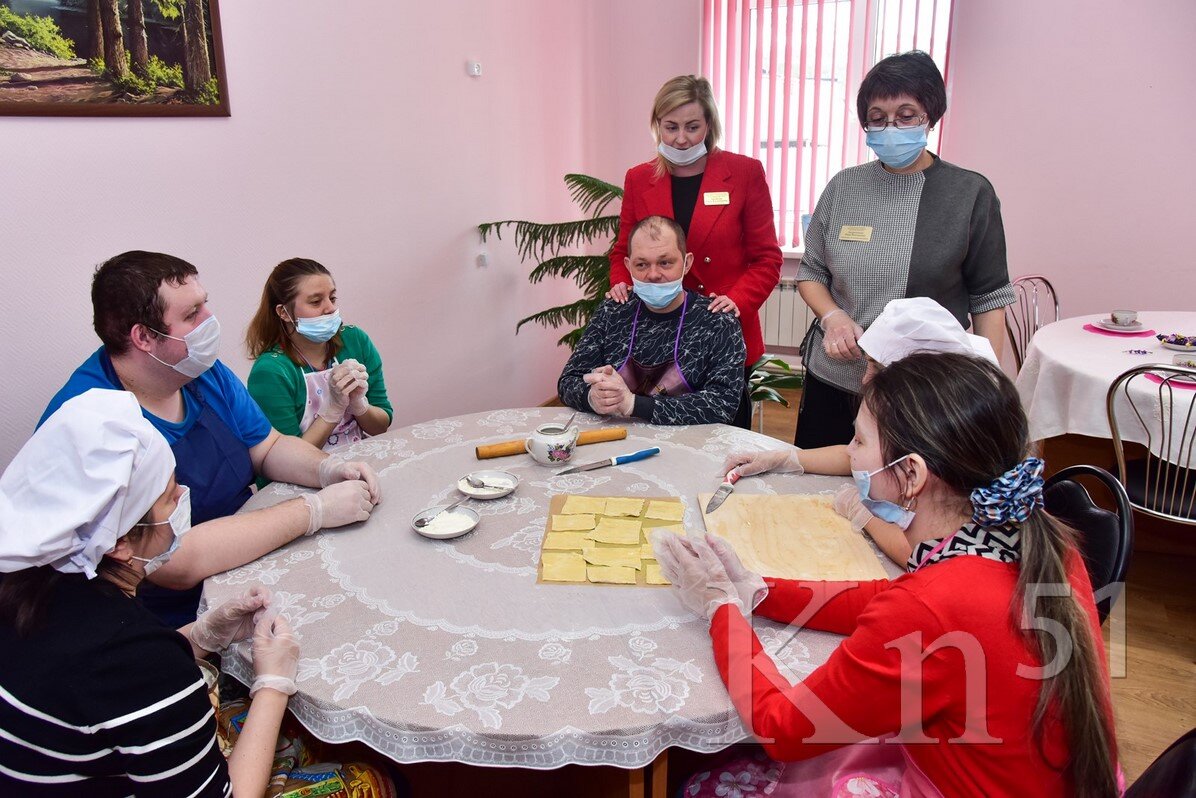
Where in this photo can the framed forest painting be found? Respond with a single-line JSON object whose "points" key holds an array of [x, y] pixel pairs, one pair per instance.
{"points": [[111, 58]]}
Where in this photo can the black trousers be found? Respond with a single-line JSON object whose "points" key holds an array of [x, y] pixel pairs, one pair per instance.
{"points": [[743, 413], [826, 416]]}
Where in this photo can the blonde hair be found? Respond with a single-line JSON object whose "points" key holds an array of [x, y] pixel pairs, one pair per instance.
{"points": [[679, 91]]}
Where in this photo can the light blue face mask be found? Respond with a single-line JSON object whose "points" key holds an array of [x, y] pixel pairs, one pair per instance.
{"points": [[320, 329], [884, 510], [897, 147], [180, 522], [657, 295]]}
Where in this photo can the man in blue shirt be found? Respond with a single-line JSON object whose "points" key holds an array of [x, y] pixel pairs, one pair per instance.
{"points": [[160, 341]]}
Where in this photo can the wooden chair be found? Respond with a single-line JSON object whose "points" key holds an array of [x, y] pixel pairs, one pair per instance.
{"points": [[1036, 306], [1106, 538], [1163, 483]]}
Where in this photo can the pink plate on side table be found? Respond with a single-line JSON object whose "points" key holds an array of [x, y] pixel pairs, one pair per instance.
{"points": [[1120, 332]]}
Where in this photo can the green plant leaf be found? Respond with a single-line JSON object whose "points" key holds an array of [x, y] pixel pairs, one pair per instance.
{"points": [[533, 240], [575, 313], [592, 194], [778, 381], [768, 395], [582, 268], [771, 361]]}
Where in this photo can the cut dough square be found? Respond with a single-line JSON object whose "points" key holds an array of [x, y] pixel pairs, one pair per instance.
{"points": [[623, 506], [563, 567], [566, 541], [624, 556], [646, 552], [567, 523], [611, 574], [617, 530], [583, 504], [652, 574], [665, 511]]}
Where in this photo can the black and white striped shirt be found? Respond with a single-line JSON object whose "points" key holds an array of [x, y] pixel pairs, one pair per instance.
{"points": [[104, 700]]}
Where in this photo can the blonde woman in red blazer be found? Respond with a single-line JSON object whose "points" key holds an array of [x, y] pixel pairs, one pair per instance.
{"points": [[722, 202]]}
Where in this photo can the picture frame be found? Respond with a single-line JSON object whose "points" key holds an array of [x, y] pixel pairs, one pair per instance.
{"points": [[53, 63]]}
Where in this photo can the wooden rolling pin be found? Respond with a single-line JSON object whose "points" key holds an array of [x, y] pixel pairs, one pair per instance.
{"points": [[507, 448]]}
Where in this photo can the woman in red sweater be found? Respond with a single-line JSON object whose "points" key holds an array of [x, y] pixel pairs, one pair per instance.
{"points": [[721, 201], [979, 668]]}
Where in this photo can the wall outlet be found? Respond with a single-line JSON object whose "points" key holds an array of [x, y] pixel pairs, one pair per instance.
{"points": [[473, 69]]}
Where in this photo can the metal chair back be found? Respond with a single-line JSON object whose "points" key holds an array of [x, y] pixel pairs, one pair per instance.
{"points": [[1036, 306], [1163, 483]]}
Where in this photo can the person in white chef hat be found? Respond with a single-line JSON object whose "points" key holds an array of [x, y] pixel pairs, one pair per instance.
{"points": [[113, 696], [905, 326]]}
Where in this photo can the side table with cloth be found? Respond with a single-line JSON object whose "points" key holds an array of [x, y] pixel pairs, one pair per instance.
{"points": [[1068, 370], [450, 651]]}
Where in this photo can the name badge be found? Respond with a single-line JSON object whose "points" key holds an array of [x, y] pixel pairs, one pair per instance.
{"points": [[855, 232], [717, 198]]}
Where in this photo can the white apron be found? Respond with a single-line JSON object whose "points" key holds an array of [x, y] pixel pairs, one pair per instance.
{"points": [[347, 431]]}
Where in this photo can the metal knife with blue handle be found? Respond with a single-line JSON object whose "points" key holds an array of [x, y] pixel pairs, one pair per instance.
{"points": [[642, 454]]}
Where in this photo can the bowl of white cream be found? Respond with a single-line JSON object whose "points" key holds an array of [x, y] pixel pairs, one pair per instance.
{"points": [[496, 484], [456, 522]]}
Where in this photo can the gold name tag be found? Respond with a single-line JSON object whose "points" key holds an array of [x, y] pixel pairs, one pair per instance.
{"points": [[855, 232], [717, 198]]}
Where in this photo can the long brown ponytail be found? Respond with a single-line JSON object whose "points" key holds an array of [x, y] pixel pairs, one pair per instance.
{"points": [[964, 417]]}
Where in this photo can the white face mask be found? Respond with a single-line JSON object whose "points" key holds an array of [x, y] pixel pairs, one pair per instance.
{"points": [[203, 346], [682, 157], [180, 522]]}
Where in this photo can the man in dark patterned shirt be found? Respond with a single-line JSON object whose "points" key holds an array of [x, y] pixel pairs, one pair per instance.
{"points": [[664, 356]]}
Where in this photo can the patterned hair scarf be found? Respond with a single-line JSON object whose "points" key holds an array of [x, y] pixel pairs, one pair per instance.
{"points": [[1011, 497]]}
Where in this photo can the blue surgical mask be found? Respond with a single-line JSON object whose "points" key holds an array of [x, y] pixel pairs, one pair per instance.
{"points": [[682, 157], [180, 522], [884, 510], [320, 329], [203, 345], [897, 147], [657, 295]]}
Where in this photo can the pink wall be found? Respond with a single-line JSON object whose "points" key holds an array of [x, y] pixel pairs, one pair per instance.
{"points": [[358, 140], [1082, 113]]}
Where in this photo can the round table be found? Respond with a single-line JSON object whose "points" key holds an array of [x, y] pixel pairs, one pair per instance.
{"points": [[450, 651], [1066, 376]]}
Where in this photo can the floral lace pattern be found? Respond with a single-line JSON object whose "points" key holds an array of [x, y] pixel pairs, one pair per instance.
{"points": [[450, 650]]}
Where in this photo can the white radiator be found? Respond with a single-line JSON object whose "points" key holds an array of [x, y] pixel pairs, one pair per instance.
{"points": [[785, 319]]}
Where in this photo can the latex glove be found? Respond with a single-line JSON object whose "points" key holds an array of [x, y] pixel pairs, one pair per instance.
{"points": [[334, 470], [337, 505], [608, 394], [697, 575], [358, 404], [340, 382], [779, 461], [847, 504], [749, 585], [840, 333], [620, 292], [221, 626], [275, 655]]}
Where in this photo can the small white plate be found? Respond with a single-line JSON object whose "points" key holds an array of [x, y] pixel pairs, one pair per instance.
{"points": [[491, 476], [454, 531], [1109, 324], [1177, 347]]}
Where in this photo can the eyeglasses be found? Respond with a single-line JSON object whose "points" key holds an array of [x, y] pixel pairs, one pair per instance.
{"points": [[902, 122]]}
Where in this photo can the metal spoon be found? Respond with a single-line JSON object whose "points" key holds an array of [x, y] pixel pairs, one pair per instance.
{"points": [[423, 522], [478, 482], [569, 423]]}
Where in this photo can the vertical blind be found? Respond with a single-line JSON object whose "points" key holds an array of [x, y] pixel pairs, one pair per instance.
{"points": [[785, 75]]}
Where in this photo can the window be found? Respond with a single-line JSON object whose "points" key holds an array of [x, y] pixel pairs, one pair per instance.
{"points": [[802, 125]]}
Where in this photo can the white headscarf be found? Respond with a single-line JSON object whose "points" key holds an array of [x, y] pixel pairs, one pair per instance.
{"points": [[84, 479], [920, 324]]}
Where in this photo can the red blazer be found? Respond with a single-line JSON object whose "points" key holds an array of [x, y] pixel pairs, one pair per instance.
{"points": [[734, 246]]}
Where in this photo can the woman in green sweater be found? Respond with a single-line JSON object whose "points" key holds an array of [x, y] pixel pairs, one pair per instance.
{"points": [[313, 375]]}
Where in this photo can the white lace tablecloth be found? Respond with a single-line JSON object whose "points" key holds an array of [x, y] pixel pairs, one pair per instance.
{"points": [[1068, 371], [450, 651]]}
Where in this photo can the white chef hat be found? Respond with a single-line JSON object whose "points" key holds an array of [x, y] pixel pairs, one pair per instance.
{"points": [[84, 479], [919, 324]]}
